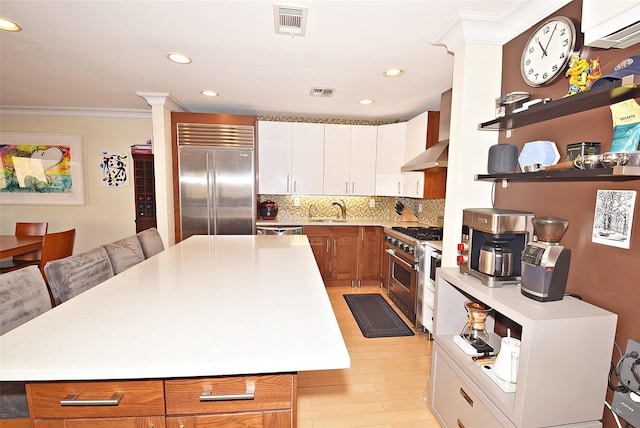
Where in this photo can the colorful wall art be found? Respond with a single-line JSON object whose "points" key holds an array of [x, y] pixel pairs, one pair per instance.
{"points": [[41, 169], [115, 170]]}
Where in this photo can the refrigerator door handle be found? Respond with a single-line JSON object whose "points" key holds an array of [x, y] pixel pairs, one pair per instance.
{"points": [[211, 187]]}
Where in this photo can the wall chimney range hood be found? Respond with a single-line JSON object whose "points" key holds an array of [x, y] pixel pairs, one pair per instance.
{"points": [[434, 157], [437, 155]]}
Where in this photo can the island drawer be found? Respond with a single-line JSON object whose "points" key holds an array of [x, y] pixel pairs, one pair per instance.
{"points": [[230, 394], [96, 399]]}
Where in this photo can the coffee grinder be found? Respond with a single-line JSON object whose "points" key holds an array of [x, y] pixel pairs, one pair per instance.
{"points": [[545, 263]]}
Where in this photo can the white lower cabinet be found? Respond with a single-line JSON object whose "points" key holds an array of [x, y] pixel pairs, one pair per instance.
{"points": [[458, 401], [565, 355]]}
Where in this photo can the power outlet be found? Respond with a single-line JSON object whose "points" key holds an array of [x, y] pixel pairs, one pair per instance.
{"points": [[420, 208], [372, 203], [629, 367], [296, 201]]}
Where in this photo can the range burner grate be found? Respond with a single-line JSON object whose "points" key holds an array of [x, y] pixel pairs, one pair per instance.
{"points": [[421, 233]]}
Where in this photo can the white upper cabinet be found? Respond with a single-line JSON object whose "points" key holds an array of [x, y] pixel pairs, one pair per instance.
{"points": [[416, 143], [274, 157], [288, 158], [349, 159], [390, 156]]}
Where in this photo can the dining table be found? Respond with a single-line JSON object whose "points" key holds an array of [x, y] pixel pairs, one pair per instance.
{"points": [[14, 245]]}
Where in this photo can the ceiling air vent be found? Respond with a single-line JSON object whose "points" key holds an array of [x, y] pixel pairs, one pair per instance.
{"points": [[322, 92], [290, 20]]}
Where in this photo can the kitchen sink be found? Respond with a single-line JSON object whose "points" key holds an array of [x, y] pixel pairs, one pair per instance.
{"points": [[327, 220]]}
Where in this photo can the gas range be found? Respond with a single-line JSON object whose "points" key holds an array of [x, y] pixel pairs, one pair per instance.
{"points": [[408, 238], [411, 275]]}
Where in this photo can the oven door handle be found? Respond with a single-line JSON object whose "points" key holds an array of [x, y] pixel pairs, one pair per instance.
{"points": [[393, 254]]}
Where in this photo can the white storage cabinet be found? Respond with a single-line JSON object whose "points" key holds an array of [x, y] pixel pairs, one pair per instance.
{"points": [[565, 354]]}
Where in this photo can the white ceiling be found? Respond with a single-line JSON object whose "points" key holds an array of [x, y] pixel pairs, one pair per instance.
{"points": [[88, 54]]}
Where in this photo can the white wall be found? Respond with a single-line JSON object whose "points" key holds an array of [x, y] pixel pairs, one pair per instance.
{"points": [[108, 213]]}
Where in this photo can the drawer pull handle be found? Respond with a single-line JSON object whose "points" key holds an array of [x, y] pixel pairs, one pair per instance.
{"points": [[72, 400], [466, 397], [249, 394], [460, 424]]}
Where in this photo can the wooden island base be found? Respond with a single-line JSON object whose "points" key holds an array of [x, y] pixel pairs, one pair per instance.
{"points": [[248, 401]]}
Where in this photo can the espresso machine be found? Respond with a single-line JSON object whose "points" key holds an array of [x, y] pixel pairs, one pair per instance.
{"points": [[492, 244], [545, 263]]}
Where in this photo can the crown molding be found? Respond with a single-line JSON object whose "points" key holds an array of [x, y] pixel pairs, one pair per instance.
{"points": [[493, 29], [78, 112]]}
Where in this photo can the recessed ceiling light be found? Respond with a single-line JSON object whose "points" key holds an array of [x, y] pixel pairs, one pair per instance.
{"points": [[394, 72], [179, 58], [209, 93], [9, 25], [366, 101]]}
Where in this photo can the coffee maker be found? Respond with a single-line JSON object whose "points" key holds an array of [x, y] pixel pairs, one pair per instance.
{"points": [[545, 263], [492, 244]]}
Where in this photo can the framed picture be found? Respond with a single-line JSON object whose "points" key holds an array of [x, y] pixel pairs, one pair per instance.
{"points": [[41, 169], [613, 218]]}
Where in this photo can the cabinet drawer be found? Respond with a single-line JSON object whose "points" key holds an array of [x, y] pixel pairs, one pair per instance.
{"points": [[459, 402], [281, 419], [153, 422], [87, 399], [225, 394]]}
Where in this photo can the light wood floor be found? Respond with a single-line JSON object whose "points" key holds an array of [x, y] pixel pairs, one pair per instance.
{"points": [[385, 387]]}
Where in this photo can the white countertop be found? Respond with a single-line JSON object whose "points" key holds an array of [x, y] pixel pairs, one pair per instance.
{"points": [[306, 221], [208, 306]]}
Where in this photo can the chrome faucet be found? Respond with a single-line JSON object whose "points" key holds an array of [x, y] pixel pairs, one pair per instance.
{"points": [[343, 208]]}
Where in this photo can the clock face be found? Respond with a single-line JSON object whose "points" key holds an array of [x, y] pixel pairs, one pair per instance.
{"points": [[548, 50]]}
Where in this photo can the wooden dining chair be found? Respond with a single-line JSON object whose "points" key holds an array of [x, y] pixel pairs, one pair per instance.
{"points": [[56, 246], [31, 258], [23, 296]]}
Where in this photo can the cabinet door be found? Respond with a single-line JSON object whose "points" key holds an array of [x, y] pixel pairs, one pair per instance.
{"points": [[344, 257], [337, 155], [363, 159], [370, 254], [307, 152], [435, 183], [389, 159], [320, 245], [274, 157], [413, 184]]}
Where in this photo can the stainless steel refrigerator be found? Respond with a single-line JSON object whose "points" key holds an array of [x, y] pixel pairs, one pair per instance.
{"points": [[217, 181]]}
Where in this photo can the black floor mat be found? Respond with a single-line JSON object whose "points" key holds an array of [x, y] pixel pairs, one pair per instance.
{"points": [[375, 317]]}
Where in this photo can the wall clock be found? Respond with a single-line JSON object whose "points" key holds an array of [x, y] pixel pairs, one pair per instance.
{"points": [[547, 51]]}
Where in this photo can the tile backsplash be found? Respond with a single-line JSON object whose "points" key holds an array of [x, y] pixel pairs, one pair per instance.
{"points": [[357, 207]]}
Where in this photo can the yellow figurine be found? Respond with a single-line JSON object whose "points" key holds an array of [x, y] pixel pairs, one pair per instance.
{"points": [[577, 73]]}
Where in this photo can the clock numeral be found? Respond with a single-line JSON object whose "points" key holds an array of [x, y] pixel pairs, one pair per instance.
{"points": [[554, 68], [531, 49], [545, 76], [563, 31], [527, 62], [565, 43]]}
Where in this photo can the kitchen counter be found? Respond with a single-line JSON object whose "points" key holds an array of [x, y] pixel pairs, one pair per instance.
{"points": [[306, 221], [208, 306]]}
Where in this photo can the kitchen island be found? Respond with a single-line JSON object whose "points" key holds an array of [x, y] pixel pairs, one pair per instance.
{"points": [[209, 315]]}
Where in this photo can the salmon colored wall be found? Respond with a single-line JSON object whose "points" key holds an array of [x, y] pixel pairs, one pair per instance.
{"points": [[602, 275]]}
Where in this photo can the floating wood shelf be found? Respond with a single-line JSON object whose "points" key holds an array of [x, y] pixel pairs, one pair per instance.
{"points": [[618, 173], [603, 95]]}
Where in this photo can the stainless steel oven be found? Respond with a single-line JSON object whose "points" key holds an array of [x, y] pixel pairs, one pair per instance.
{"points": [[408, 281], [403, 280]]}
